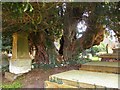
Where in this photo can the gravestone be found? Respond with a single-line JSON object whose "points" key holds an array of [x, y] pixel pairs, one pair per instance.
{"points": [[20, 61]]}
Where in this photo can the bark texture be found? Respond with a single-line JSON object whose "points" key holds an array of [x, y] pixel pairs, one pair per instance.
{"points": [[45, 48], [38, 40], [72, 46]]}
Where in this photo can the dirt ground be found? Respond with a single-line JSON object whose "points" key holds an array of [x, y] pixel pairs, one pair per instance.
{"points": [[36, 77]]}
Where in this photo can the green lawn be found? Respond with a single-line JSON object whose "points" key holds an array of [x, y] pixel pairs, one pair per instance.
{"points": [[16, 84], [95, 58]]}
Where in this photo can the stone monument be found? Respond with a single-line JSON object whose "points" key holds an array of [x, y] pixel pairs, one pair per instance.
{"points": [[20, 61]]}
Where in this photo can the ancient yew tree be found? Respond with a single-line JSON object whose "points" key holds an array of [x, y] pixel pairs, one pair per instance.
{"points": [[47, 22]]}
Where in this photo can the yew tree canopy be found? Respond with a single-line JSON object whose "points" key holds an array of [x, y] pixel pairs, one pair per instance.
{"points": [[31, 17], [57, 17], [46, 15], [78, 25]]}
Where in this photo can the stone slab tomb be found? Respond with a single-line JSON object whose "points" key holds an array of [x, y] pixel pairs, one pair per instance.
{"points": [[83, 79], [91, 75]]}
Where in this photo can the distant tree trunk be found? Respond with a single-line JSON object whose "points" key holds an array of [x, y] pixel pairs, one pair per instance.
{"points": [[107, 48], [69, 34], [61, 46], [51, 50]]}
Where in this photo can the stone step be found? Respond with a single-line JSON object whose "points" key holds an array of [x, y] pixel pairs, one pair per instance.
{"points": [[111, 56], [85, 79], [108, 67], [49, 84], [11, 77]]}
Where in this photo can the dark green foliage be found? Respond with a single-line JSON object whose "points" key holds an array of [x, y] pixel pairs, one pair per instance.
{"points": [[5, 69], [17, 9], [56, 80], [6, 42], [44, 66], [47, 15], [50, 18], [100, 48]]}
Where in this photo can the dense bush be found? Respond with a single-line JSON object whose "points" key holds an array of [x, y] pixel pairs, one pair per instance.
{"points": [[95, 49], [100, 48]]}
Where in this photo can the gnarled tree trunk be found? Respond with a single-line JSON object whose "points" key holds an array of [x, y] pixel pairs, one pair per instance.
{"points": [[45, 48], [38, 40], [70, 45]]}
